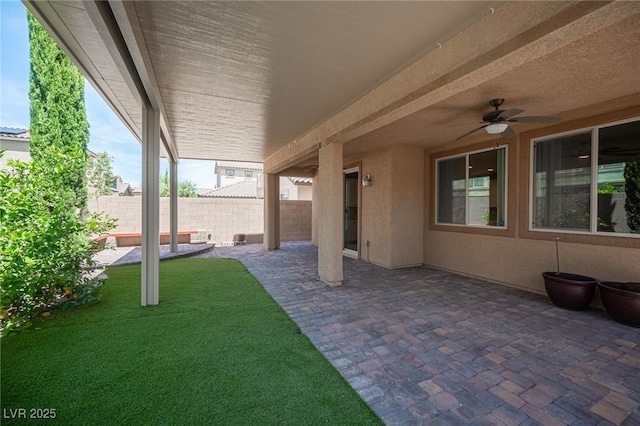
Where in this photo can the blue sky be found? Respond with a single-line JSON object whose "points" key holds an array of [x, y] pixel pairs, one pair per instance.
{"points": [[107, 133]]}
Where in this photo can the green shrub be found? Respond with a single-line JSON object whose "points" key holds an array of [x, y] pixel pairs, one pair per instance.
{"points": [[632, 188], [44, 244]]}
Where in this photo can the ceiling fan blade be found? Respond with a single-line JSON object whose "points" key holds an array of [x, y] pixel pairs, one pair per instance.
{"points": [[509, 133], [535, 119], [468, 133], [509, 113]]}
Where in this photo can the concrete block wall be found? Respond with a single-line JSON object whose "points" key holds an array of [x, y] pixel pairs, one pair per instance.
{"points": [[295, 220], [223, 216]]}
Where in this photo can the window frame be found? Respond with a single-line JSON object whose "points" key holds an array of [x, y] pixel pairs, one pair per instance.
{"points": [[594, 130], [233, 173], [506, 189]]}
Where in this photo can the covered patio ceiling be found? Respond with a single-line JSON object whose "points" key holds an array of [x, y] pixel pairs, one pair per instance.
{"points": [[246, 81]]}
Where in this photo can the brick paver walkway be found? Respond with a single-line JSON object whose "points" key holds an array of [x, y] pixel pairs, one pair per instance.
{"points": [[423, 346]]}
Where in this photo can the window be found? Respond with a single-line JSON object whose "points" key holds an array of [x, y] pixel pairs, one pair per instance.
{"points": [[230, 173], [471, 189], [576, 190], [248, 174]]}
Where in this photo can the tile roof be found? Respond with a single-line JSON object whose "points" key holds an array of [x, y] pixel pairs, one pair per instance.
{"points": [[238, 165], [202, 191], [301, 180], [244, 189], [14, 132]]}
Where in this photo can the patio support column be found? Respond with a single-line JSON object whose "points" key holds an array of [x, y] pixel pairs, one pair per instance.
{"points": [[150, 205], [271, 211], [173, 205], [330, 212], [314, 209]]}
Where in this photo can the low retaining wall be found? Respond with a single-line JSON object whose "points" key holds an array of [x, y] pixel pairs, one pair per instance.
{"points": [[134, 239]]}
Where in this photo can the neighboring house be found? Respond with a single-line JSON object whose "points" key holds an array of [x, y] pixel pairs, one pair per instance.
{"points": [[122, 189], [235, 172], [296, 188], [14, 141], [232, 172]]}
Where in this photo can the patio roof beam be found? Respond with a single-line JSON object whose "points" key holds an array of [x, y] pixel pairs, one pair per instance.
{"points": [[126, 18], [107, 28], [63, 36]]}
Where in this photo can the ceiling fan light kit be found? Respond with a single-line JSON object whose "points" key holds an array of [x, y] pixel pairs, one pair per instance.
{"points": [[498, 119], [496, 128]]}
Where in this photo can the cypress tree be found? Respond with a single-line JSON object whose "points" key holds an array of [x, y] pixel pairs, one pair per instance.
{"points": [[58, 115]]}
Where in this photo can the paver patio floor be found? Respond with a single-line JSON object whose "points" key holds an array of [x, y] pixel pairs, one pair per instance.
{"points": [[424, 346]]}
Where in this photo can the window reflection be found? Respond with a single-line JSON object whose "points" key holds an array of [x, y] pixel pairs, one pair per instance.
{"points": [[565, 181], [472, 189]]}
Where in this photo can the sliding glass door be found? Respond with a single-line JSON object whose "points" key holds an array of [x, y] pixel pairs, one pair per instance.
{"points": [[351, 186]]}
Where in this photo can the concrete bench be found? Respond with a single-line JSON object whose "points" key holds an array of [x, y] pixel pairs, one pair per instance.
{"points": [[134, 239]]}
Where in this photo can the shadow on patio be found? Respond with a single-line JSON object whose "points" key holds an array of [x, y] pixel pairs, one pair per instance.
{"points": [[421, 345]]}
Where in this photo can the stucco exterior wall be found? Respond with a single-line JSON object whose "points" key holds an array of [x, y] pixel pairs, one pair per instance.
{"points": [[223, 216], [520, 262], [407, 206], [376, 209], [517, 256], [392, 207]]}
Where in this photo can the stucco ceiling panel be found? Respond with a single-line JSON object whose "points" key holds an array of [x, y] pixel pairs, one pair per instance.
{"points": [[234, 127], [298, 62]]}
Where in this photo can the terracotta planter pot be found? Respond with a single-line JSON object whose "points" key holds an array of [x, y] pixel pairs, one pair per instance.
{"points": [[622, 304], [569, 291]]}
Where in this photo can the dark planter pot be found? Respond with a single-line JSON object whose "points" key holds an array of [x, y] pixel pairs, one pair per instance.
{"points": [[569, 291], [621, 303]]}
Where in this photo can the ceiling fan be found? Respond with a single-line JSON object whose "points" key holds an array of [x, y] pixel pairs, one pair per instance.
{"points": [[496, 120]]}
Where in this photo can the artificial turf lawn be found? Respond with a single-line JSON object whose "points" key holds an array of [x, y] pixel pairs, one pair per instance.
{"points": [[216, 350]]}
